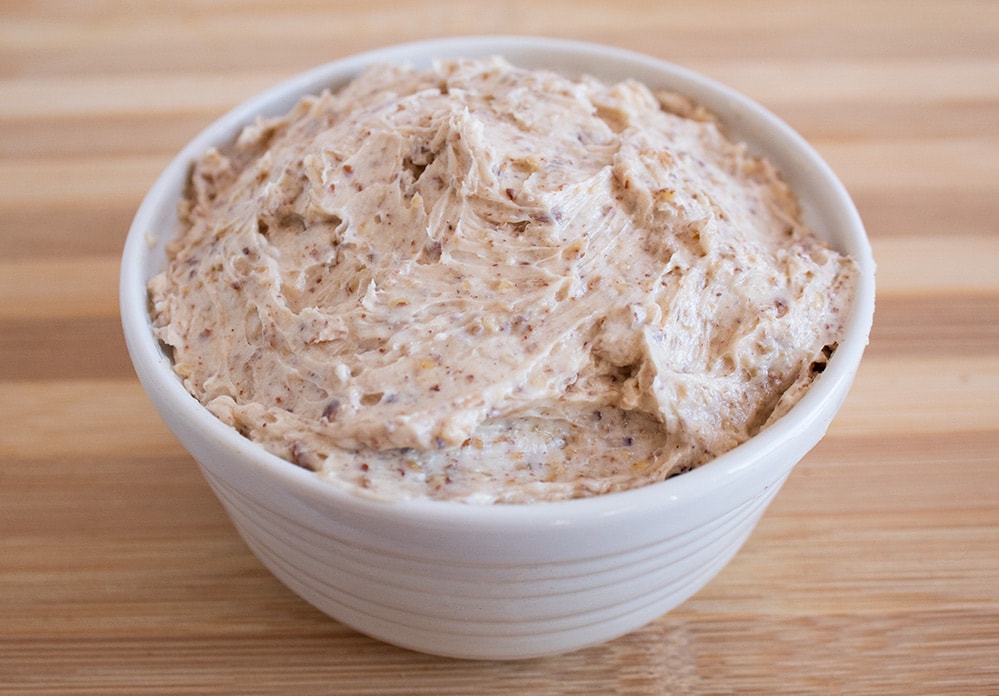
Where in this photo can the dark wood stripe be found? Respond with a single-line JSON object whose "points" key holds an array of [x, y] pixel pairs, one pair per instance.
{"points": [[149, 486], [78, 229], [935, 326], [859, 120], [940, 214], [100, 136], [71, 349]]}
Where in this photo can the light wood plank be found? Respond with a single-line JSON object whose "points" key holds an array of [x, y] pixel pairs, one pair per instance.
{"points": [[116, 95], [57, 288], [79, 180], [892, 397], [84, 418], [920, 266]]}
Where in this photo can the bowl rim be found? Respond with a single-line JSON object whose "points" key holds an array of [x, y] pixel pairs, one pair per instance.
{"points": [[815, 409]]}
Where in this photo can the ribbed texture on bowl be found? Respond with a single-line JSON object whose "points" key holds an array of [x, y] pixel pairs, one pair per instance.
{"points": [[434, 601]]}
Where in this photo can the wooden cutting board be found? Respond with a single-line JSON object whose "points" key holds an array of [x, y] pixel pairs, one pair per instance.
{"points": [[876, 570]]}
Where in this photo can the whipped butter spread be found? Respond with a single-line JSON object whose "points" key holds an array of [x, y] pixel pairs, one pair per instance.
{"points": [[483, 283]]}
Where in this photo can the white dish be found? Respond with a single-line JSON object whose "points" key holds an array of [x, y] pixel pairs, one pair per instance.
{"points": [[517, 581]]}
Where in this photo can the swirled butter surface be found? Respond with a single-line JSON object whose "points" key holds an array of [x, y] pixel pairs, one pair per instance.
{"points": [[483, 283]]}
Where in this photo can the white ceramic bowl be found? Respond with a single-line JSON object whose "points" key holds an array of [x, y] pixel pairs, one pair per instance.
{"points": [[500, 581]]}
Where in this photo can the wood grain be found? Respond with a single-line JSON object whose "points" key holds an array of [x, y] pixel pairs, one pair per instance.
{"points": [[875, 571]]}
